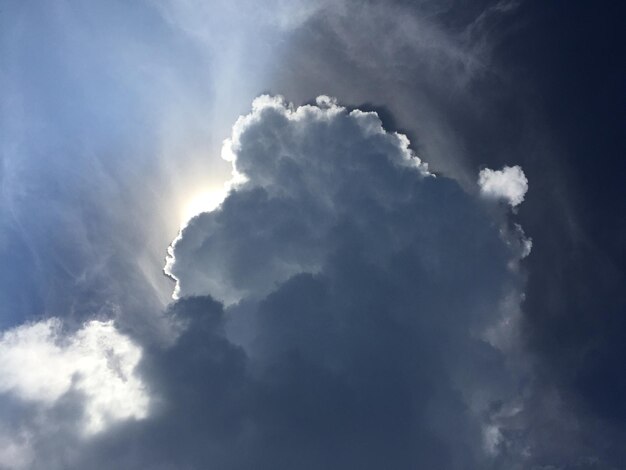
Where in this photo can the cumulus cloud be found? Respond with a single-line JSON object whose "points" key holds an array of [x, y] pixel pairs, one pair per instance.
{"points": [[509, 184], [361, 294], [38, 363], [295, 163]]}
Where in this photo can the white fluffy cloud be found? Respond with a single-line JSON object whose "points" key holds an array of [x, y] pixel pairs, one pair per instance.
{"points": [[287, 153], [509, 184], [40, 364]]}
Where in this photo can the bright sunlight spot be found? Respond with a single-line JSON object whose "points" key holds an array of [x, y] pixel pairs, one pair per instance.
{"points": [[205, 201]]}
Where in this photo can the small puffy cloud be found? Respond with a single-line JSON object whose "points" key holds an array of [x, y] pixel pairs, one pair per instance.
{"points": [[38, 363], [509, 184]]}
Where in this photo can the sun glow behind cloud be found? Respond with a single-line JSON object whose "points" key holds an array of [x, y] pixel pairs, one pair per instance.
{"points": [[202, 201]]}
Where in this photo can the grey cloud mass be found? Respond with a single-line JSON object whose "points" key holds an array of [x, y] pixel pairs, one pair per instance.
{"points": [[358, 298], [360, 292]]}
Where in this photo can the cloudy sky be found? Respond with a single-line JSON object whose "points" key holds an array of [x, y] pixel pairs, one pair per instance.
{"points": [[312, 234]]}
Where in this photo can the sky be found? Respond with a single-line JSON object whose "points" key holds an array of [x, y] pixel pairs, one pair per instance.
{"points": [[312, 234]]}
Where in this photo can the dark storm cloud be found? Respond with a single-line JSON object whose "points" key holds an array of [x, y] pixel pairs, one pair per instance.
{"points": [[365, 289]]}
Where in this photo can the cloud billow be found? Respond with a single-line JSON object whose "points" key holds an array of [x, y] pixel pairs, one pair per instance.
{"points": [[365, 295]]}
